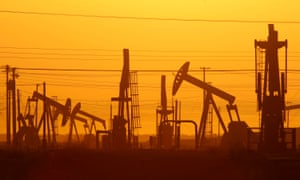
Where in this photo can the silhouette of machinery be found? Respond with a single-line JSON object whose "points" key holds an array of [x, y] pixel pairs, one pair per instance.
{"points": [[288, 109], [82, 116], [237, 133], [271, 87], [127, 119], [164, 127], [169, 128], [28, 134]]}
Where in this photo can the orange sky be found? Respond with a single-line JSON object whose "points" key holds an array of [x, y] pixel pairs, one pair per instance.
{"points": [[214, 45]]}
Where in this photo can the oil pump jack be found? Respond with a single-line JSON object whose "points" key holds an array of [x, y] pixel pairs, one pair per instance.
{"points": [[127, 118], [164, 126], [235, 127], [83, 116], [271, 95], [169, 128], [28, 134]]}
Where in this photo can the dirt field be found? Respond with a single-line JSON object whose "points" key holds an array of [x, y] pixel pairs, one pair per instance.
{"points": [[73, 164]]}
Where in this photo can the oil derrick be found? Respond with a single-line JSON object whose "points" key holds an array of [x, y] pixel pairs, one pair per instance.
{"points": [[164, 127], [122, 121], [271, 94]]}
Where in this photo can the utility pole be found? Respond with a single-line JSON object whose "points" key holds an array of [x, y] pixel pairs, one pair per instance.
{"points": [[204, 71], [14, 111], [44, 116], [36, 107], [11, 104], [209, 118], [19, 108], [8, 138]]}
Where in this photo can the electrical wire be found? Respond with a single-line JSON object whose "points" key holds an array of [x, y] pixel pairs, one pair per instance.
{"points": [[141, 70], [55, 58], [59, 54], [150, 18], [57, 49]]}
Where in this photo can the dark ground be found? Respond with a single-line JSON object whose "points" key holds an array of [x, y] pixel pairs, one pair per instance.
{"points": [[73, 164]]}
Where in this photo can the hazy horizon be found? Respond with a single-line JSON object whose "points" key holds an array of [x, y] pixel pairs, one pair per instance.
{"points": [[91, 43]]}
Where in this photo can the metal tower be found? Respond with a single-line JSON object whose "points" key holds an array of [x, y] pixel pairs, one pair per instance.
{"points": [[271, 94]]}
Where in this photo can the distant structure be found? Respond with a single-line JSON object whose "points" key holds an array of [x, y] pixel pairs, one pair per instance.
{"points": [[237, 132], [164, 124], [11, 106], [128, 117], [168, 122], [29, 131], [271, 87]]}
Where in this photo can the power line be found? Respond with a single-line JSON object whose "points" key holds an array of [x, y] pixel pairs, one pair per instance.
{"points": [[59, 54], [53, 51], [116, 50], [141, 70], [55, 58], [56, 49], [56, 55], [114, 55], [148, 18], [143, 59], [86, 75], [119, 50], [69, 70]]}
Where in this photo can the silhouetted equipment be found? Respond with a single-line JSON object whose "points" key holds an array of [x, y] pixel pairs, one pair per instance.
{"points": [[288, 109], [210, 90], [168, 129], [209, 121], [74, 118], [164, 133], [11, 113], [106, 139], [28, 134], [49, 116], [271, 93], [59, 108], [135, 107], [80, 115], [128, 117], [164, 127]]}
